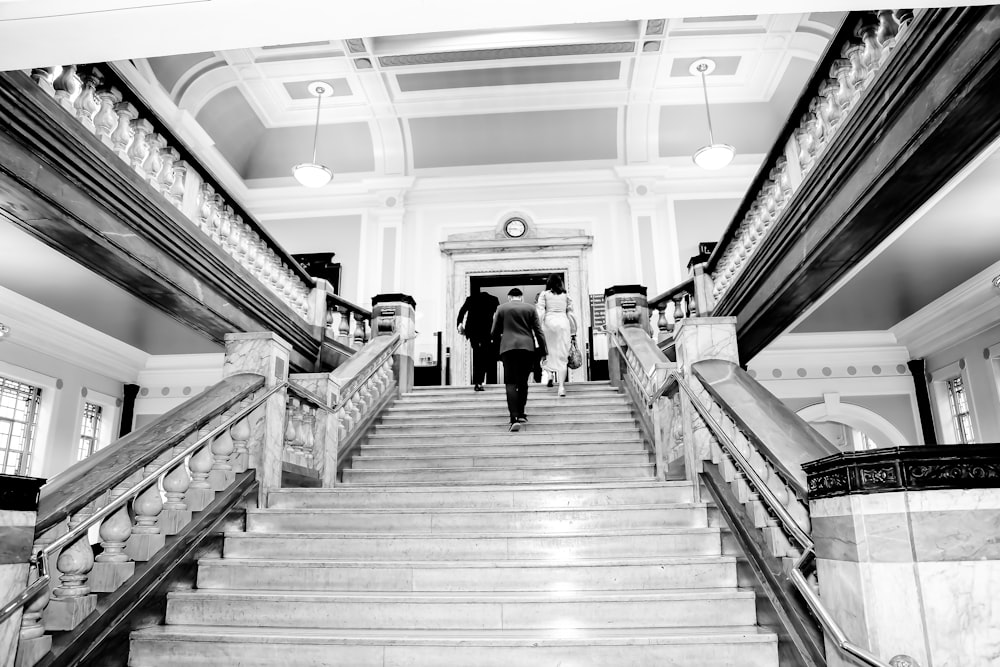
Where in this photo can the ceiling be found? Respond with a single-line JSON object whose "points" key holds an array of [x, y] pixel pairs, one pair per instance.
{"points": [[547, 97], [75, 291], [952, 241]]}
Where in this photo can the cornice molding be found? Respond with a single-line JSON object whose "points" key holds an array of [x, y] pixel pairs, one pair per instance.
{"points": [[42, 329], [965, 311]]}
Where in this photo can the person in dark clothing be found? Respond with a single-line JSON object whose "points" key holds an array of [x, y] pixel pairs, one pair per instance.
{"points": [[518, 331], [475, 318]]}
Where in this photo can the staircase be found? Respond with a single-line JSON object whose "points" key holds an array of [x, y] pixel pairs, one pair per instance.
{"points": [[454, 542]]}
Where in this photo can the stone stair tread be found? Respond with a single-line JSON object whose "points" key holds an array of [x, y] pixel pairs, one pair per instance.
{"points": [[467, 483], [468, 597], [475, 510], [616, 532], [359, 460], [557, 637], [562, 422], [469, 564], [527, 429], [507, 486]]}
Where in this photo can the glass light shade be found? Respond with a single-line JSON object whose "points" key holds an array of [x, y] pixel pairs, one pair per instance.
{"points": [[312, 175], [714, 156]]}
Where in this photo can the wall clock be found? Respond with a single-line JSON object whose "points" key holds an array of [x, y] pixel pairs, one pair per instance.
{"points": [[514, 228]]}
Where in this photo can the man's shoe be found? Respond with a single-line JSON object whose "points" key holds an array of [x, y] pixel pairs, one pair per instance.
{"points": [[550, 383], [562, 390], [515, 427], [480, 387], [522, 420]]}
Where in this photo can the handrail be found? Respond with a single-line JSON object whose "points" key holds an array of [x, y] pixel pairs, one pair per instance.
{"points": [[41, 559], [343, 400], [686, 286], [796, 575], [647, 397], [302, 392], [338, 300]]}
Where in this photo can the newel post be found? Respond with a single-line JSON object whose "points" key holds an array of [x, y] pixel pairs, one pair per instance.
{"points": [[264, 354], [698, 338], [396, 313], [18, 504], [625, 305], [326, 426]]}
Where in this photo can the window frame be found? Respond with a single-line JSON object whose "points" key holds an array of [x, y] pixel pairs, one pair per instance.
{"points": [[948, 433], [29, 439]]}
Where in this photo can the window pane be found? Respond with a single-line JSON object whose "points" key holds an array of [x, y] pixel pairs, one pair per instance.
{"points": [[18, 415]]}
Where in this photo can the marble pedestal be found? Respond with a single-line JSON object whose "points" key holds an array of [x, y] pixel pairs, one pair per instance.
{"points": [[624, 304], [396, 313], [18, 503]]}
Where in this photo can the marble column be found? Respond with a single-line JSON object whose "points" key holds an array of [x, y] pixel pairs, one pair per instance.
{"points": [[326, 428], [264, 354], [624, 304], [912, 573], [18, 504], [396, 313]]}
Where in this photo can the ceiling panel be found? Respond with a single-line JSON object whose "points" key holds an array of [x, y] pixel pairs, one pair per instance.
{"points": [[233, 125], [724, 65], [343, 147], [509, 76], [169, 69], [512, 138], [299, 90], [509, 52]]}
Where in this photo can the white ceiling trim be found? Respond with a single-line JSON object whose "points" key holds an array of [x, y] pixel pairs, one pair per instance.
{"points": [[965, 311], [48, 331]]}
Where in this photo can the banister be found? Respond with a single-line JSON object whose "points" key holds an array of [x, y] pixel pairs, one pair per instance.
{"points": [[310, 397], [41, 559], [81, 483], [685, 287], [782, 437], [796, 574], [340, 302], [366, 362]]}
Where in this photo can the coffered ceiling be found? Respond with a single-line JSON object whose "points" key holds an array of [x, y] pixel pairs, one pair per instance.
{"points": [[555, 97]]}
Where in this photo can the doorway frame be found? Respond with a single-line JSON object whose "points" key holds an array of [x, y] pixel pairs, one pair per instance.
{"points": [[567, 253]]}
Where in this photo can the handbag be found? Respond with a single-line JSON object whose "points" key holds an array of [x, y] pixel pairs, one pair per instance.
{"points": [[574, 359]]}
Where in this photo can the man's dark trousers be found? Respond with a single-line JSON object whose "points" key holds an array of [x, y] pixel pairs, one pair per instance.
{"points": [[482, 358], [516, 369]]}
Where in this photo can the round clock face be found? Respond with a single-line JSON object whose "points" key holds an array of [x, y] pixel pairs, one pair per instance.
{"points": [[515, 228]]}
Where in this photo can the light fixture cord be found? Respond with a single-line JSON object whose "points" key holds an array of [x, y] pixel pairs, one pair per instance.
{"points": [[319, 102], [708, 114]]}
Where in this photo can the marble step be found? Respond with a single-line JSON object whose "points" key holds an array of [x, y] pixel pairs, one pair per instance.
{"points": [[475, 520], [561, 473], [508, 447], [389, 419], [612, 457], [541, 397], [561, 576], [211, 646], [550, 424], [499, 435], [534, 496], [467, 611], [619, 543], [460, 413], [572, 388]]}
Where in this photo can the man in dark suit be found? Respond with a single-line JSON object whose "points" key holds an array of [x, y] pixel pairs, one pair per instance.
{"points": [[474, 320], [517, 329]]}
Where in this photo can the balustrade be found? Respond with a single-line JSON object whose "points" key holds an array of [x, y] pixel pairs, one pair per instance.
{"points": [[669, 308], [92, 98], [874, 37], [346, 323]]}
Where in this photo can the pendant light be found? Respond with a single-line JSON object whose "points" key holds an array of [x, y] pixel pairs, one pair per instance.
{"points": [[312, 174], [713, 156]]}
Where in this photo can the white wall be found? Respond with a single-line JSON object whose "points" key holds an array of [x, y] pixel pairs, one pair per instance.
{"points": [[62, 402]]}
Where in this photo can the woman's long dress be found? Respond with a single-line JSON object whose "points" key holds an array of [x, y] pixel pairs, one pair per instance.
{"points": [[553, 311]]}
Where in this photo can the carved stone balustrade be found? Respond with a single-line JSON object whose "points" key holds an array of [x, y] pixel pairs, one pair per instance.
{"points": [[94, 96], [867, 42]]}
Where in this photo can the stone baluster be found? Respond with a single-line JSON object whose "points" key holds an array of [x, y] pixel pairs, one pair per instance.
{"points": [[138, 150], [217, 210], [871, 54], [830, 111], [121, 138], [72, 600], [237, 238], [44, 76], [146, 538], [153, 163], [306, 423], [165, 176], [200, 493], [856, 76], [33, 643], [221, 475], [67, 86], [886, 33], [226, 228], [86, 105], [290, 427], [359, 330], [903, 19], [344, 326], [112, 566], [106, 119], [176, 482], [175, 192], [240, 434]]}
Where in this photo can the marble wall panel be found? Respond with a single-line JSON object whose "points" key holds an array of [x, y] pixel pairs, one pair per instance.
{"points": [[962, 604]]}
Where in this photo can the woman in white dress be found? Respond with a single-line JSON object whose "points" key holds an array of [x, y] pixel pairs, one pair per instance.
{"points": [[555, 310]]}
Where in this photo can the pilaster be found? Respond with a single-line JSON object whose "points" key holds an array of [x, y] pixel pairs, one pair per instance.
{"points": [[396, 313]]}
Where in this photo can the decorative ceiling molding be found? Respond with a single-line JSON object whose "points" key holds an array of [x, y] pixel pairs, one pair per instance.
{"points": [[969, 309], [505, 53]]}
